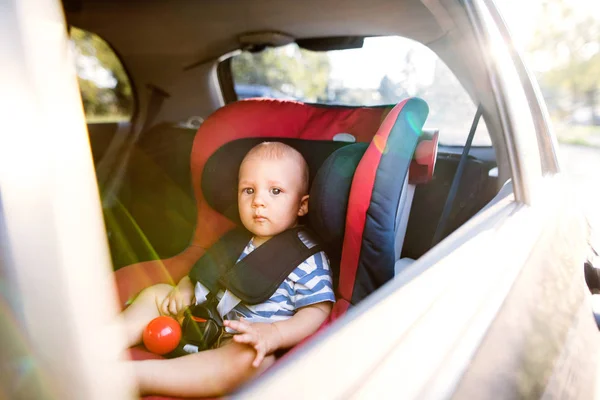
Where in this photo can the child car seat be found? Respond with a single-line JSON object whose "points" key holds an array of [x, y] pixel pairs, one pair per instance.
{"points": [[358, 197], [362, 244]]}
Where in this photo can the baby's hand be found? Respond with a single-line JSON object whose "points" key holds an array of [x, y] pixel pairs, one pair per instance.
{"points": [[178, 299], [174, 303], [265, 338]]}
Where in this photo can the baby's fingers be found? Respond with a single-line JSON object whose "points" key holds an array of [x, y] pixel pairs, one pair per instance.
{"points": [[179, 303], [244, 338], [260, 356], [239, 326], [164, 306], [173, 305]]}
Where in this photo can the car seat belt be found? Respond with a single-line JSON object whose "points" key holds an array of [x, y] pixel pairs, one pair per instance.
{"points": [[253, 279], [456, 181], [257, 276]]}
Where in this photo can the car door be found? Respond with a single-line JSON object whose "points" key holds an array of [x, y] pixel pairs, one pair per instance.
{"points": [[499, 309]]}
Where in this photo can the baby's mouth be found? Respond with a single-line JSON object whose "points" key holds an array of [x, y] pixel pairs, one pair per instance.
{"points": [[259, 218]]}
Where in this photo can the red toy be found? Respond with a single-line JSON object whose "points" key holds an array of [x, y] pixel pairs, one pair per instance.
{"points": [[162, 335]]}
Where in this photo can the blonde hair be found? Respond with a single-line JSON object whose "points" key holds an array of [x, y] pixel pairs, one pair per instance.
{"points": [[278, 151]]}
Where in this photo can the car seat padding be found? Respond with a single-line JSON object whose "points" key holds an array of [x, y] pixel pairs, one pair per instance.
{"points": [[368, 250]]}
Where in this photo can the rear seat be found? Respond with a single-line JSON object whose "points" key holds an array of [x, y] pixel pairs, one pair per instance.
{"points": [[153, 214], [101, 136]]}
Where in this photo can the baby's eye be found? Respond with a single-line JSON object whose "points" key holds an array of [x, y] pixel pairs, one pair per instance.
{"points": [[275, 191], [248, 190]]}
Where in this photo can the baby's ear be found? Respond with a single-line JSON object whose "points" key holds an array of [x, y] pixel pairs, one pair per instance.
{"points": [[303, 206]]}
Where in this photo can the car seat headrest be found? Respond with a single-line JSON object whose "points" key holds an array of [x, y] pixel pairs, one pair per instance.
{"points": [[220, 175], [269, 120]]}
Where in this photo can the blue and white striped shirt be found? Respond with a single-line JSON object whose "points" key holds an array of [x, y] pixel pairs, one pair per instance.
{"points": [[309, 283]]}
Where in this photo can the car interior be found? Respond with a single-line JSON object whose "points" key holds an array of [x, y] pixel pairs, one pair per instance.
{"points": [[179, 58]]}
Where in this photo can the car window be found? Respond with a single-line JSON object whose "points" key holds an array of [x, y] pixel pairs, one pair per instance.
{"points": [[105, 87], [385, 70]]}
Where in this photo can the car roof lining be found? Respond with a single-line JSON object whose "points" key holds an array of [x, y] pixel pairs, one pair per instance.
{"points": [[153, 27], [160, 41]]}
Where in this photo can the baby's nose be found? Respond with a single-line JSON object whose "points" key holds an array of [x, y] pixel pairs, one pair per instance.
{"points": [[257, 201]]}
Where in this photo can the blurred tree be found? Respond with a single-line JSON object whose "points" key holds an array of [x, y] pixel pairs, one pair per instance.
{"points": [[105, 89], [387, 90], [569, 41], [297, 72]]}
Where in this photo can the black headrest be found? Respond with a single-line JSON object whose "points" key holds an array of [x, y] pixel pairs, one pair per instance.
{"points": [[220, 174]]}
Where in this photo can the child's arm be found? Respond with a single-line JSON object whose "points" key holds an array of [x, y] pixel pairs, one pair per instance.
{"points": [[269, 337]]}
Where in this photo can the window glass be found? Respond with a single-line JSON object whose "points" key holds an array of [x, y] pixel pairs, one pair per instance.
{"points": [[105, 88], [386, 70]]}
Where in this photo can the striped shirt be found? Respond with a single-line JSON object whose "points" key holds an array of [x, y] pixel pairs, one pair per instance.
{"points": [[309, 283]]}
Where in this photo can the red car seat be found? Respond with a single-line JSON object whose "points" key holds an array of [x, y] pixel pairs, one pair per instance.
{"points": [[388, 149], [358, 190]]}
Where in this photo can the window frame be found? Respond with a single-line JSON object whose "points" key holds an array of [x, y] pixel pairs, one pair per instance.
{"points": [[49, 202], [547, 141], [526, 172]]}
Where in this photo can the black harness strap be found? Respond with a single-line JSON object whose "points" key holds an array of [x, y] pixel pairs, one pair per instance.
{"points": [[258, 275], [219, 258]]}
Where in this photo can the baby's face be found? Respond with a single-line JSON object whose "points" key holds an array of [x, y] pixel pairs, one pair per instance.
{"points": [[269, 196]]}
